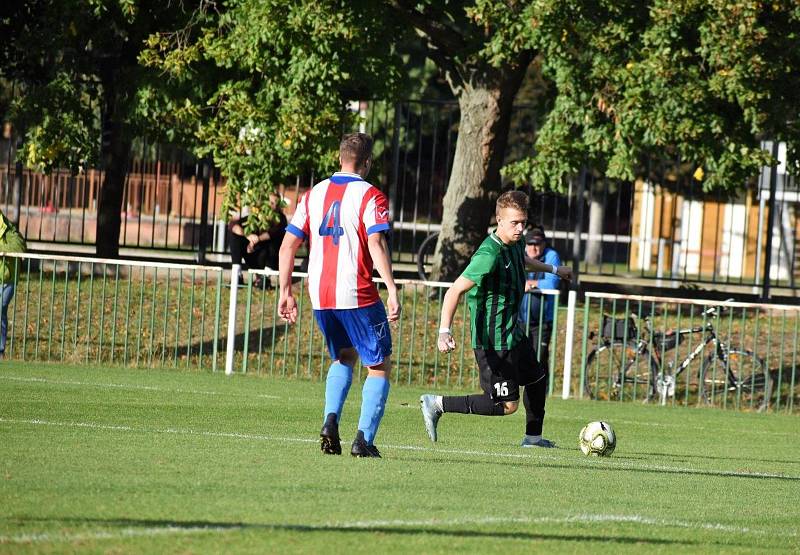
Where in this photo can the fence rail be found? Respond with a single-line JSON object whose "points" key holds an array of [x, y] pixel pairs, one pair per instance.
{"points": [[612, 347], [689, 351]]}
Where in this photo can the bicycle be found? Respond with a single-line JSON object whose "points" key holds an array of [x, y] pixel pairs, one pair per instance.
{"points": [[627, 363], [425, 250]]}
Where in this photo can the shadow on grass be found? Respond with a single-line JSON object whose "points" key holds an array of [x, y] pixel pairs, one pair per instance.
{"points": [[654, 469], [258, 340], [651, 456], [417, 529]]}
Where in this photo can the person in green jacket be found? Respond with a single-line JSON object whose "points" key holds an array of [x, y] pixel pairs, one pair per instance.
{"points": [[10, 241]]}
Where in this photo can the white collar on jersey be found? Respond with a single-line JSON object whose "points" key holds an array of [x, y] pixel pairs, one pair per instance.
{"points": [[348, 174]]}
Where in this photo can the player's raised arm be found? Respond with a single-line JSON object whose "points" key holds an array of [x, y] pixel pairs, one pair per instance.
{"points": [[379, 250], [564, 272], [446, 342]]}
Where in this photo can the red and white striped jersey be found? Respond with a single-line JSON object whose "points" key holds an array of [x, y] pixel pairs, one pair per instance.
{"points": [[336, 216]]}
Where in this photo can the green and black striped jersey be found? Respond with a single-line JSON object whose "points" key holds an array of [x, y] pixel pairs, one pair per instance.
{"points": [[498, 271]]}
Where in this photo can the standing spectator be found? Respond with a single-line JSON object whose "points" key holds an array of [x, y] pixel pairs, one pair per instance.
{"points": [[259, 249], [10, 241], [345, 220], [531, 306]]}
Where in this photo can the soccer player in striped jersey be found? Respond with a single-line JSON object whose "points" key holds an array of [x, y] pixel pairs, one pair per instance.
{"points": [[345, 219], [494, 282]]}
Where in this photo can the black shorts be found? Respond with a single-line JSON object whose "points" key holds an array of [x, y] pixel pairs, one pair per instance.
{"points": [[503, 372]]}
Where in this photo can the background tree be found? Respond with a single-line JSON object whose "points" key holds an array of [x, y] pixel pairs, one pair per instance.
{"points": [[699, 83], [695, 85], [289, 70], [80, 87], [295, 63]]}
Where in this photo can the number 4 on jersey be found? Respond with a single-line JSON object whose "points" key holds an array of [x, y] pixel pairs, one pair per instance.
{"points": [[330, 223]]}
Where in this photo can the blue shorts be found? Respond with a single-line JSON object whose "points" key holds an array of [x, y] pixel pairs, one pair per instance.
{"points": [[365, 328]]}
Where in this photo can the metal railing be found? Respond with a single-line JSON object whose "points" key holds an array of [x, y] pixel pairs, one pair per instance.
{"points": [[87, 310], [274, 347], [613, 347], [688, 352]]}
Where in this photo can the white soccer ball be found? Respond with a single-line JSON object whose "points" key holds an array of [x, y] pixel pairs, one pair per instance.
{"points": [[597, 439]]}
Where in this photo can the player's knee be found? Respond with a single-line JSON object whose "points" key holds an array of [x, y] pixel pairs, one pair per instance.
{"points": [[383, 369], [510, 407], [348, 357]]}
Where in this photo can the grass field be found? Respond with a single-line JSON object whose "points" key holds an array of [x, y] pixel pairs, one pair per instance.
{"points": [[122, 461]]}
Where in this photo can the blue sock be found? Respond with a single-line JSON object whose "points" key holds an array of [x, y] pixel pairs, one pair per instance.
{"points": [[373, 403], [337, 385]]}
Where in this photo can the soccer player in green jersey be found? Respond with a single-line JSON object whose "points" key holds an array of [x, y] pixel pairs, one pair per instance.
{"points": [[494, 282]]}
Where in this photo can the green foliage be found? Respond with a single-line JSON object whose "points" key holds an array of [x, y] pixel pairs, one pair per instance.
{"points": [[62, 127], [289, 69], [261, 86], [74, 65], [696, 80]]}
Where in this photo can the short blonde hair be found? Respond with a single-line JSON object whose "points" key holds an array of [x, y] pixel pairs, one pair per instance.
{"points": [[356, 148], [512, 199]]}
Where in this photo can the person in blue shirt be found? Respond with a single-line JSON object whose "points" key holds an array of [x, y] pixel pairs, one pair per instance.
{"points": [[530, 308]]}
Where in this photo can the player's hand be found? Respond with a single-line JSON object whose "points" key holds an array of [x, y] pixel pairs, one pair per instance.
{"points": [[253, 238], [287, 308], [446, 342], [564, 272], [393, 304]]}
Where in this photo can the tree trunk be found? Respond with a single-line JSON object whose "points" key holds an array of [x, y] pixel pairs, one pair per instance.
{"points": [[594, 244], [475, 181], [116, 146]]}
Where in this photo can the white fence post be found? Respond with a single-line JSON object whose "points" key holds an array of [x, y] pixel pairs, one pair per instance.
{"points": [[569, 340], [232, 319]]}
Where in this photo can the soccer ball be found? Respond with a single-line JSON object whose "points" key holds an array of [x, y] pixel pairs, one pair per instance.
{"points": [[597, 439]]}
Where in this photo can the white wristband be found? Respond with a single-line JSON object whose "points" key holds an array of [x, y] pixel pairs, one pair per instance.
{"points": [[444, 330], [555, 269]]}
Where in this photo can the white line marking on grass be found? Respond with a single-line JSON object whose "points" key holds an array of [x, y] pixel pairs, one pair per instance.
{"points": [[114, 428], [133, 387], [583, 462], [679, 425], [414, 406], [45, 537]]}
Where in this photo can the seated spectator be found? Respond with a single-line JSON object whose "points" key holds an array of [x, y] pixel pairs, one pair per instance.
{"points": [[257, 250], [10, 241], [531, 305]]}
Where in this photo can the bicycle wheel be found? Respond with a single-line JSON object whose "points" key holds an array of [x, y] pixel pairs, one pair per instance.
{"points": [[604, 370], [424, 252], [639, 382], [746, 383]]}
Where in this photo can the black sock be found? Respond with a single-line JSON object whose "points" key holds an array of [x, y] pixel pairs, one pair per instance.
{"points": [[473, 404], [534, 398]]}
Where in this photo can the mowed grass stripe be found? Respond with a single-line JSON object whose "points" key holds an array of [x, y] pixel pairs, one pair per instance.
{"points": [[46, 381], [529, 454], [643, 422]]}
